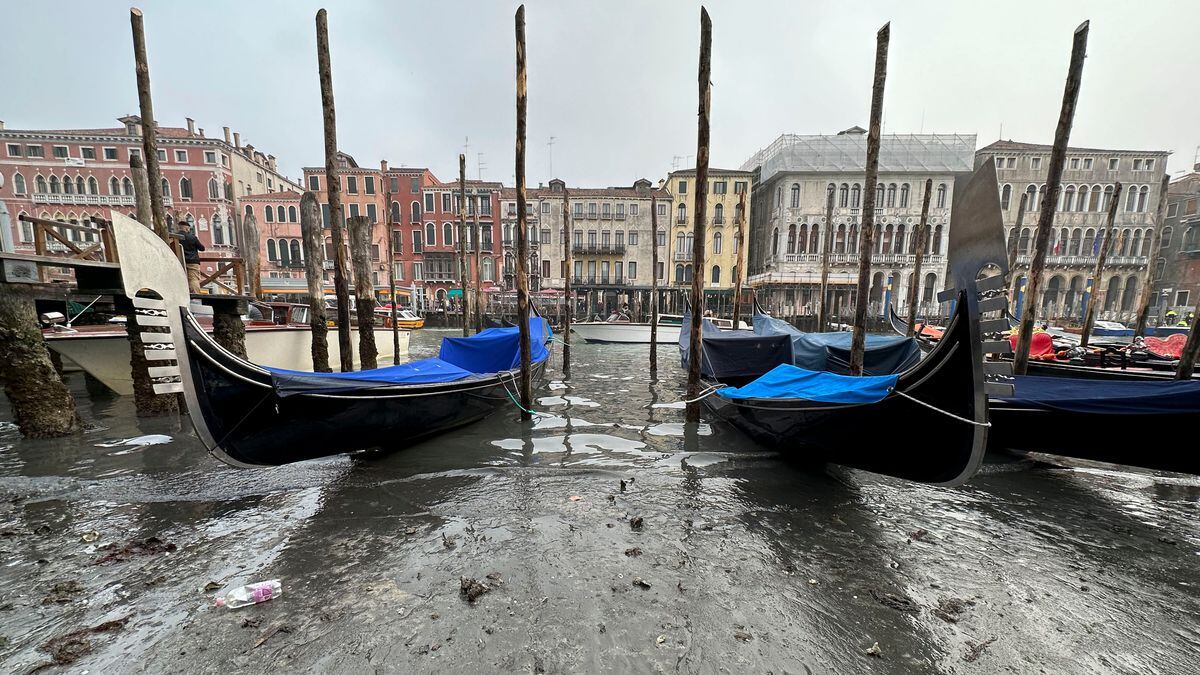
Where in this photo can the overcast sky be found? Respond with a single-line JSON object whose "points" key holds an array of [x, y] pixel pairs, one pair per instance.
{"points": [[612, 81]]}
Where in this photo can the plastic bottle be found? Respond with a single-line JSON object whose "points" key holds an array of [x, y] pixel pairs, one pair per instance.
{"points": [[251, 595]]}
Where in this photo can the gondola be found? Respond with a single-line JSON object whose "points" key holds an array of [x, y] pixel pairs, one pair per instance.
{"points": [[825, 417], [248, 415]]}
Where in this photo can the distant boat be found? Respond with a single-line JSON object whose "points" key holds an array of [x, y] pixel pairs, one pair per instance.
{"points": [[405, 318], [624, 331]]}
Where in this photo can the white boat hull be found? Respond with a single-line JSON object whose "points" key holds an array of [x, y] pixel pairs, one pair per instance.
{"points": [[105, 356], [626, 333]]}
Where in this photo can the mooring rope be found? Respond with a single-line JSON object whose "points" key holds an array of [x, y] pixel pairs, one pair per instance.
{"points": [[934, 408]]}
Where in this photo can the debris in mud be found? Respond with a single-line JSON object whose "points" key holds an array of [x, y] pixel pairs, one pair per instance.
{"points": [[155, 581], [622, 486], [575, 498], [896, 602], [472, 589], [917, 535], [211, 586], [679, 587], [633, 552], [282, 628], [949, 609], [42, 529], [140, 441], [62, 592], [875, 651], [1168, 540], [741, 635], [636, 523], [974, 651], [89, 536], [494, 576], [70, 647], [448, 542], [410, 530], [148, 546], [660, 639], [251, 622], [640, 583]]}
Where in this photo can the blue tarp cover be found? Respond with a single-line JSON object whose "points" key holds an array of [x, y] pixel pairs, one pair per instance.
{"points": [[1107, 398], [790, 382], [734, 354], [885, 354], [490, 351]]}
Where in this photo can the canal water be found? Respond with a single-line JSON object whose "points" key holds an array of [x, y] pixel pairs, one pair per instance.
{"points": [[612, 537]]}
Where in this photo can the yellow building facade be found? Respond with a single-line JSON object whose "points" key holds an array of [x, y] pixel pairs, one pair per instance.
{"points": [[728, 214]]}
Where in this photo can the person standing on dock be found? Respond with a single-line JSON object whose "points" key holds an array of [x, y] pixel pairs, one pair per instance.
{"points": [[191, 255]]}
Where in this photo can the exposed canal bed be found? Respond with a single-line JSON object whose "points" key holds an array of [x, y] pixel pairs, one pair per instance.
{"points": [[741, 561]]}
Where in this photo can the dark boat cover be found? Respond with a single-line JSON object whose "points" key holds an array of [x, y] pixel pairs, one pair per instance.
{"points": [[1107, 397], [461, 358], [790, 382], [729, 354], [830, 352]]}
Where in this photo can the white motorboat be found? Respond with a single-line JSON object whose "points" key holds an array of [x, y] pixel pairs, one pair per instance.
{"points": [[620, 330]]}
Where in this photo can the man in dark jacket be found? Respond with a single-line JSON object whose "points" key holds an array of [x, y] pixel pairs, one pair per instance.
{"points": [[191, 254]]}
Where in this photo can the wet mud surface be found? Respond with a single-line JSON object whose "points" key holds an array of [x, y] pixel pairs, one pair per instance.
{"points": [[607, 536]]}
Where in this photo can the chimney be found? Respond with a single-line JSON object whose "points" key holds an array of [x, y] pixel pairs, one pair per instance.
{"points": [[271, 162], [228, 141], [237, 140], [201, 132], [191, 126], [1195, 167], [382, 164], [1, 125]]}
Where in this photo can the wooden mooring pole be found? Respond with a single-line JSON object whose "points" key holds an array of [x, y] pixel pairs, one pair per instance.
{"points": [[568, 294], [314, 264], [826, 246], [41, 402], [866, 237], [922, 238], [654, 298], [1089, 317], [526, 384], [464, 303], [250, 252], [701, 211], [477, 272], [739, 246], [361, 233], [141, 192], [1058, 155], [334, 190], [1147, 290], [1015, 237], [391, 256], [149, 128]]}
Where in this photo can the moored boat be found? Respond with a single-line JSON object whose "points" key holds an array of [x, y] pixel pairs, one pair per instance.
{"points": [[616, 330]]}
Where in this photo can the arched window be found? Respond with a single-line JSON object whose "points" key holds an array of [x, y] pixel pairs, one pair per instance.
{"points": [[39, 184], [1143, 195], [1089, 242], [1146, 242], [1068, 200], [1076, 238], [775, 241], [737, 213], [395, 212], [185, 188], [291, 214], [681, 213], [941, 195], [269, 214], [844, 196], [1094, 204], [68, 188], [166, 188], [114, 186], [55, 185], [814, 238], [1023, 243], [1135, 243], [249, 210], [679, 273], [18, 184], [839, 239], [271, 250], [791, 240], [79, 185], [830, 193], [127, 186], [1131, 199], [891, 195], [855, 196], [430, 234], [488, 270], [935, 242], [219, 228], [898, 243], [716, 245], [716, 274], [718, 214], [93, 186], [296, 250], [285, 254], [928, 287], [1160, 266], [447, 234], [795, 197], [1084, 194], [904, 189], [1108, 195], [879, 195], [852, 240], [415, 210], [802, 246], [1031, 203], [214, 190], [1005, 197], [1166, 237], [779, 196], [279, 213]]}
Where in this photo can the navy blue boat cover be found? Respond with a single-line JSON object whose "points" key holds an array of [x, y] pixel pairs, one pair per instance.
{"points": [[489, 352], [1107, 397], [790, 382], [728, 354], [885, 354]]}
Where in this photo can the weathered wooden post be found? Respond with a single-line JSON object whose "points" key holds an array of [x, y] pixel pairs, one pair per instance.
{"points": [[1187, 359], [1147, 290], [464, 301], [361, 233], [477, 274], [146, 403], [1016, 233], [826, 246], [653, 283], [141, 191], [334, 190], [391, 255], [922, 237], [228, 329], [1058, 155], [701, 211], [250, 253], [41, 402], [149, 128], [866, 237], [314, 266], [1089, 317], [569, 264], [522, 273], [739, 245]]}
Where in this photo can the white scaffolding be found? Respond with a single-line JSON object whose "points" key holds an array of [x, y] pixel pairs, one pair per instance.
{"points": [[908, 153]]}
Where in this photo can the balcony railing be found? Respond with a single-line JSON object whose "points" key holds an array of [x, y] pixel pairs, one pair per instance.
{"points": [[852, 258], [1086, 260], [719, 220], [600, 280], [88, 199], [681, 220], [598, 249], [683, 256]]}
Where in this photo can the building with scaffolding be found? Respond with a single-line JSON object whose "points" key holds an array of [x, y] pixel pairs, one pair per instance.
{"points": [[793, 179]]}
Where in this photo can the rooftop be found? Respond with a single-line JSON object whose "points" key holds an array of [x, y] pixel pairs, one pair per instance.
{"points": [[278, 196], [847, 152], [1018, 146]]}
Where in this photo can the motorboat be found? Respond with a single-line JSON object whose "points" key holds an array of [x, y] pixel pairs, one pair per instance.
{"points": [[619, 329]]}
